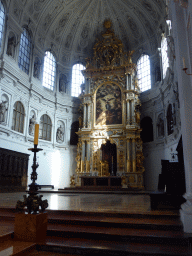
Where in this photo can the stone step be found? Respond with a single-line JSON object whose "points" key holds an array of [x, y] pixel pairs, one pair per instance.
{"points": [[94, 247]]}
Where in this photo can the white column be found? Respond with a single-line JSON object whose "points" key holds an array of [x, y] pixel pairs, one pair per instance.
{"points": [[182, 50]]}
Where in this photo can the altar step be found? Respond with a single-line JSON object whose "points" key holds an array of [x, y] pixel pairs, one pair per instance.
{"points": [[90, 233], [83, 233], [102, 190]]}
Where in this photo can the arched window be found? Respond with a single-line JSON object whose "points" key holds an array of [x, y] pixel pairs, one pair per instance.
{"points": [[147, 129], [49, 70], [169, 120], [144, 73], [77, 79], [18, 117], [2, 22], [25, 51], [164, 55], [45, 128]]}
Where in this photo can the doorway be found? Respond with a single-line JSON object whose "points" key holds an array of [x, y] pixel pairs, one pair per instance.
{"points": [[109, 154]]}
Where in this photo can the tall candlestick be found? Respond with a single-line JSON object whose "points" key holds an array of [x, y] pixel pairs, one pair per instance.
{"points": [[36, 135]]}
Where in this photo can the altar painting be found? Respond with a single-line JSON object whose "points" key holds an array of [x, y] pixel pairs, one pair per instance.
{"points": [[108, 105]]}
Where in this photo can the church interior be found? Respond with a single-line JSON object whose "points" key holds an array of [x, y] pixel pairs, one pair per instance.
{"points": [[95, 114]]}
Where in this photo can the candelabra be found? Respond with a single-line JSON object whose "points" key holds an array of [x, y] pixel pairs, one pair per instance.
{"points": [[33, 201]]}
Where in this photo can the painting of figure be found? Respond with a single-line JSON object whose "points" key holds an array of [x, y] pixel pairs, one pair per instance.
{"points": [[108, 105]]}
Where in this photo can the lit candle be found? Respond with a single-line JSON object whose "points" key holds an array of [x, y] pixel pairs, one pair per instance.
{"points": [[184, 66], [36, 135]]}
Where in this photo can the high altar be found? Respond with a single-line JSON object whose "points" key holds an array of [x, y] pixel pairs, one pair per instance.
{"points": [[109, 134]]}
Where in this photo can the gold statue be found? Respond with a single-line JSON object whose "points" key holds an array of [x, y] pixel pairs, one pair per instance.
{"points": [[107, 24], [137, 116], [130, 53], [72, 181], [123, 181]]}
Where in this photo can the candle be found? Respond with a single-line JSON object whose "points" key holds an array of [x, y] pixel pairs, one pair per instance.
{"points": [[36, 135], [184, 66]]}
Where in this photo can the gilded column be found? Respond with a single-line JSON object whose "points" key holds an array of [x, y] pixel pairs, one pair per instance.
{"points": [[130, 82], [132, 112], [134, 155], [88, 85], [127, 81], [88, 157], [128, 112], [88, 150], [84, 116], [88, 115], [128, 155], [83, 156]]}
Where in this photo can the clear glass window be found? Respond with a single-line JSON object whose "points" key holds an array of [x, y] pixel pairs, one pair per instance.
{"points": [[49, 70], [164, 55], [18, 117], [77, 79], [144, 73], [25, 51], [2, 21], [45, 128]]}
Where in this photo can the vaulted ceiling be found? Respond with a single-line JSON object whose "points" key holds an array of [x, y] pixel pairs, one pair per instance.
{"points": [[72, 26]]}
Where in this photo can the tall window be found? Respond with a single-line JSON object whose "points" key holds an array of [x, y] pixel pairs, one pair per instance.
{"points": [[2, 20], [18, 117], [49, 70], [25, 51], [164, 55], [144, 73], [45, 128], [77, 79]]}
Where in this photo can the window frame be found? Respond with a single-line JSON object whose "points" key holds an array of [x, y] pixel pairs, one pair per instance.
{"points": [[76, 86], [164, 55], [49, 75], [45, 127], [3, 23], [144, 78], [17, 113], [25, 50]]}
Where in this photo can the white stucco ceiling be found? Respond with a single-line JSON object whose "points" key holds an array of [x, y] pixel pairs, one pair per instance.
{"points": [[72, 26]]}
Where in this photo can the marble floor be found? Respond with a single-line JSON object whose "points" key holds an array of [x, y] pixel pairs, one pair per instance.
{"points": [[112, 203]]}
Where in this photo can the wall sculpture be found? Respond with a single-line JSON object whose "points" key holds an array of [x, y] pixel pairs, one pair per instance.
{"points": [[109, 141]]}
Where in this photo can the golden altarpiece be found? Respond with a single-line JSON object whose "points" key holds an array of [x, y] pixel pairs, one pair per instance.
{"points": [[109, 134]]}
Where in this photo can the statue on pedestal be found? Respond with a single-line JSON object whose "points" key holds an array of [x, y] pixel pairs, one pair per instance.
{"points": [[3, 110]]}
